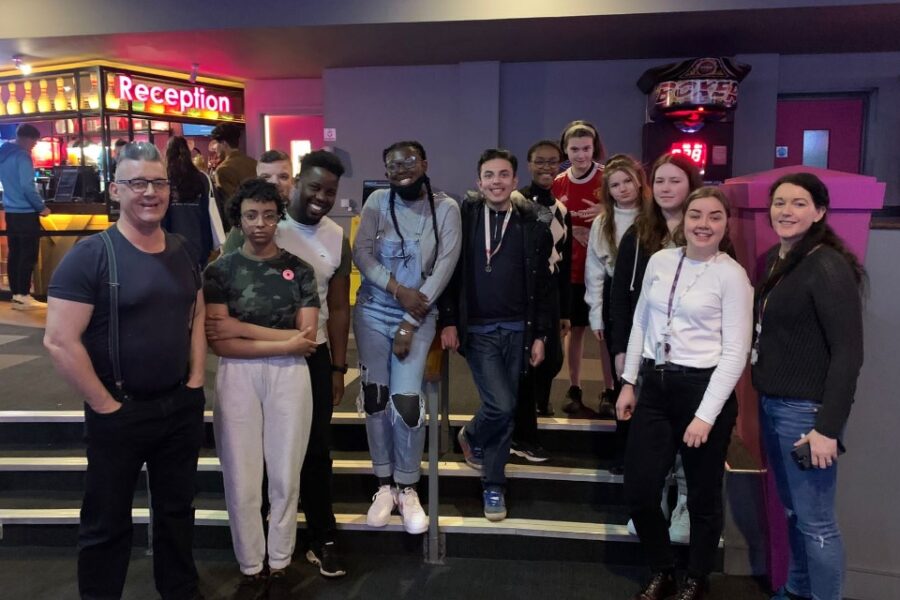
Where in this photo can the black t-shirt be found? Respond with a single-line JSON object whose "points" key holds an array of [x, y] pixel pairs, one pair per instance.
{"points": [[156, 301], [262, 292], [498, 296]]}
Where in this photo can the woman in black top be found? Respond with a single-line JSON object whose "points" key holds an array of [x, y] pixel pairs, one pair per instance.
{"points": [[806, 358], [188, 212]]}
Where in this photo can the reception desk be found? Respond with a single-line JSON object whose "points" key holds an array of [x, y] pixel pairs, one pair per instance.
{"points": [[67, 223]]}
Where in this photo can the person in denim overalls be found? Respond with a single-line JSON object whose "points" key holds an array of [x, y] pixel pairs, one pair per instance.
{"points": [[406, 249]]}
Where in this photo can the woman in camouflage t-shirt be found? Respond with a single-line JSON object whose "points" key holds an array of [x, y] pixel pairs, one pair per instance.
{"points": [[266, 307]]}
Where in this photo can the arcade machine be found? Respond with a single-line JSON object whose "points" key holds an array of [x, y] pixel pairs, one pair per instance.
{"points": [[690, 111]]}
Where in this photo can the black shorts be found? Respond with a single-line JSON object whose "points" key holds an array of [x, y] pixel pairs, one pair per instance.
{"points": [[578, 309]]}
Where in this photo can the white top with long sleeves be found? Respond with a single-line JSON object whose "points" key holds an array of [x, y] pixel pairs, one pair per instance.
{"points": [[599, 262], [711, 323]]}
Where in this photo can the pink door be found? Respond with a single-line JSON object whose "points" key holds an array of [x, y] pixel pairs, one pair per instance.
{"points": [[820, 132]]}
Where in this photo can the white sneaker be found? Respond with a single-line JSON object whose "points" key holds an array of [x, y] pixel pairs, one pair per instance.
{"points": [[383, 503], [26, 302], [680, 527], [630, 527], [414, 518]]}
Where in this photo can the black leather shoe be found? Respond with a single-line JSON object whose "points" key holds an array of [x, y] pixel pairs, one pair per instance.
{"points": [[660, 587], [693, 589]]}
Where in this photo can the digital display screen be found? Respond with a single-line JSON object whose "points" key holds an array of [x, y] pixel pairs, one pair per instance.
{"points": [[696, 151], [192, 129]]}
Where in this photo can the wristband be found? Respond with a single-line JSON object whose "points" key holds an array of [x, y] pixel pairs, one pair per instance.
{"points": [[342, 369]]}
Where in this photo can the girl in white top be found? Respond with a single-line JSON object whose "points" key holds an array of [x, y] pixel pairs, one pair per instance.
{"points": [[690, 341], [624, 193]]}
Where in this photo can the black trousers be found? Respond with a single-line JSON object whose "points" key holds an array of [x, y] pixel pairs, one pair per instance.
{"points": [[316, 474], [534, 389], [665, 408], [22, 230], [165, 433]]}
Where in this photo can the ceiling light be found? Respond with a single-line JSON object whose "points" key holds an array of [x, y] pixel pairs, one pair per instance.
{"points": [[21, 65]]}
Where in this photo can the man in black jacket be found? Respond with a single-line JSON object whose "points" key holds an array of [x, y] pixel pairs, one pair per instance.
{"points": [[496, 311]]}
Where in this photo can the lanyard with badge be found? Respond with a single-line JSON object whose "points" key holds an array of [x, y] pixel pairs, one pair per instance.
{"points": [[664, 346], [489, 254], [764, 301]]}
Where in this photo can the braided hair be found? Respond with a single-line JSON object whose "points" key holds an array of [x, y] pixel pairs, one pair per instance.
{"points": [[420, 150]]}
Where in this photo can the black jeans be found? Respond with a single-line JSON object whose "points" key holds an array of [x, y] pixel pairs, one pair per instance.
{"points": [[316, 474], [665, 408], [165, 433], [534, 390], [22, 230]]}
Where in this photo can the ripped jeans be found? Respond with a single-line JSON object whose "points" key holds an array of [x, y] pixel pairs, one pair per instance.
{"points": [[391, 390], [817, 551]]}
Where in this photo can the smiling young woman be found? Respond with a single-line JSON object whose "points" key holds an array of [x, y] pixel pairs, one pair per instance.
{"points": [[689, 344]]}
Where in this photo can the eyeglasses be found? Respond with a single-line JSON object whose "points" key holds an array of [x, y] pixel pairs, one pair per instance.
{"points": [[541, 163], [397, 165], [268, 218], [140, 185]]}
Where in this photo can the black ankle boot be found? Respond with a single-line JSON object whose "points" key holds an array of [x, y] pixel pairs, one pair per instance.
{"points": [[660, 587]]}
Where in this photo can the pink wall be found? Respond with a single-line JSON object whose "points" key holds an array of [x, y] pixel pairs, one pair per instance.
{"points": [[278, 97], [284, 128]]}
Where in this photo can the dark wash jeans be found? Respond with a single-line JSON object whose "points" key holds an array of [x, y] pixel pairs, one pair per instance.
{"points": [[667, 403], [164, 432], [316, 474], [495, 360]]}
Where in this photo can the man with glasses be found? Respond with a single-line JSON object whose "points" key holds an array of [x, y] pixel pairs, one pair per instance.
{"points": [[124, 328], [534, 393], [308, 233]]}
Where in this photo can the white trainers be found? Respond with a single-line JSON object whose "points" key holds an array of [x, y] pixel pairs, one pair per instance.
{"points": [[630, 527], [414, 518], [26, 302], [680, 527], [383, 503]]}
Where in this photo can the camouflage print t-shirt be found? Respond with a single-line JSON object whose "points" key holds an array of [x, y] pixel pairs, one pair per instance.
{"points": [[262, 292]]}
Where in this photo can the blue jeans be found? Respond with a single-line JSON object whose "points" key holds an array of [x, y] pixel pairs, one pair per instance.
{"points": [[395, 446], [495, 360], [817, 551]]}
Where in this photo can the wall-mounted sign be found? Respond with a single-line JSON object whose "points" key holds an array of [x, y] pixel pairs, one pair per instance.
{"points": [[183, 99], [329, 134]]}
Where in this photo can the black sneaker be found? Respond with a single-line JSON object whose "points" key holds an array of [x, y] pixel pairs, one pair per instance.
{"points": [[530, 452], [573, 400], [326, 557], [251, 587], [607, 407], [279, 586]]}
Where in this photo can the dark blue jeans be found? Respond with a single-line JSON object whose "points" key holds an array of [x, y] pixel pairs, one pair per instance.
{"points": [[495, 360], [817, 551]]}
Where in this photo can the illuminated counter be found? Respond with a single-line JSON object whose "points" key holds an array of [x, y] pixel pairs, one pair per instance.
{"points": [[73, 221]]}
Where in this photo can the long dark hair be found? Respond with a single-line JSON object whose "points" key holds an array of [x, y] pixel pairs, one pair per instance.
{"points": [[187, 181], [650, 225], [708, 191], [820, 233], [420, 150], [634, 169]]}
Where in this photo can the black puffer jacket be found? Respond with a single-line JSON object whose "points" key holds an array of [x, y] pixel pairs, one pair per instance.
{"points": [[537, 241]]}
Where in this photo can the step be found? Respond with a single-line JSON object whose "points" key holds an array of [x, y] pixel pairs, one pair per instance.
{"points": [[446, 468], [339, 418]]}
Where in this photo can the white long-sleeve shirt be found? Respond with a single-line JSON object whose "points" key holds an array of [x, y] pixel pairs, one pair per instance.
{"points": [[599, 262], [711, 323]]}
